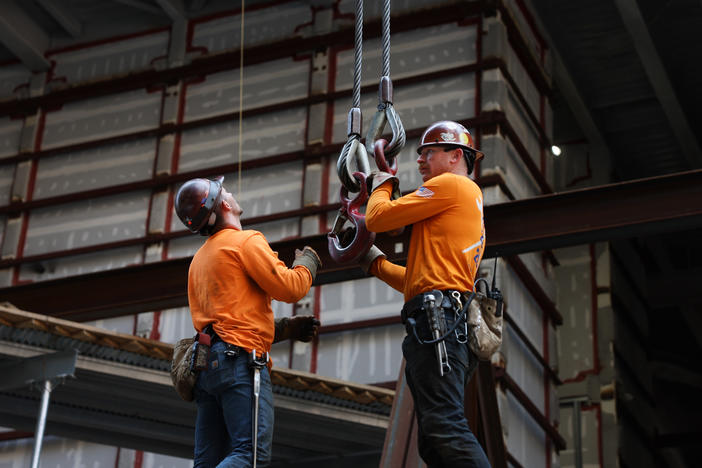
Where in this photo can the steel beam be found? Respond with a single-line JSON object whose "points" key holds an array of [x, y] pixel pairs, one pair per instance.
{"points": [[18, 374], [634, 208], [651, 61], [23, 37], [63, 16]]}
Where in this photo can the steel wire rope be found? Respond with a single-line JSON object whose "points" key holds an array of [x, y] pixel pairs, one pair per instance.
{"points": [[241, 98], [353, 151], [386, 112]]}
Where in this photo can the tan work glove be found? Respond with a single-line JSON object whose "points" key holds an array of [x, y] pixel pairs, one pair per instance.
{"points": [[376, 178], [368, 259], [300, 327], [308, 258]]}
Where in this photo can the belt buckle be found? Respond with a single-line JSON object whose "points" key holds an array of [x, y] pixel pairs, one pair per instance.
{"points": [[232, 351]]}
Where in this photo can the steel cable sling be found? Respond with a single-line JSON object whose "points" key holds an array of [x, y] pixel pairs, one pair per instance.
{"points": [[340, 248], [385, 153], [352, 180]]}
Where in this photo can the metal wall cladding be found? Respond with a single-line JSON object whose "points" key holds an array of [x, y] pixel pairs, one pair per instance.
{"points": [[263, 135], [106, 60], [262, 26], [502, 158], [353, 301], [589, 425], [94, 168], [80, 264], [420, 104], [87, 222], [14, 80], [264, 84], [102, 117], [368, 355], [7, 173], [414, 52], [10, 131], [373, 9], [576, 350], [524, 438]]}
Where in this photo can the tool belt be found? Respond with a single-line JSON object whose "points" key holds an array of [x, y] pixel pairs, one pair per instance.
{"points": [[415, 306], [481, 314]]}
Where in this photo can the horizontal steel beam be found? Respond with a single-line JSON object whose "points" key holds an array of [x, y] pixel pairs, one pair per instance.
{"points": [[629, 209]]}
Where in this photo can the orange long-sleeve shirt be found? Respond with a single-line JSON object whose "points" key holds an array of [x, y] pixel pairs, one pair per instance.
{"points": [[448, 234], [231, 282]]}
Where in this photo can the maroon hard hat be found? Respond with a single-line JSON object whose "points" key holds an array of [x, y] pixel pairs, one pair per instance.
{"points": [[196, 200], [448, 133]]}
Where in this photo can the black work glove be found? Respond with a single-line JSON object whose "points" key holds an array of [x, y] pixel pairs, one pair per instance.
{"points": [[308, 258], [301, 328]]}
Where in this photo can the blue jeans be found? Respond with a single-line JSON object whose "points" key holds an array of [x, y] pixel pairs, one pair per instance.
{"points": [[224, 397], [444, 438]]}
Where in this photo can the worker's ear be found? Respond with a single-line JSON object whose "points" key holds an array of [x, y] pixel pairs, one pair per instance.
{"points": [[456, 155], [225, 206]]}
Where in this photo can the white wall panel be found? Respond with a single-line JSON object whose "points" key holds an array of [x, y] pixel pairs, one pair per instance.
{"points": [[368, 355], [374, 8], [264, 135], [501, 157], [81, 264], [261, 26], [95, 168], [521, 306], [102, 117], [352, 301], [414, 52], [10, 131], [7, 173], [87, 222], [526, 441], [13, 77], [109, 59], [418, 105], [264, 84], [523, 367]]}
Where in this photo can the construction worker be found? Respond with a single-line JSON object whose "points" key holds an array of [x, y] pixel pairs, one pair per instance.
{"points": [[231, 282], [446, 245]]}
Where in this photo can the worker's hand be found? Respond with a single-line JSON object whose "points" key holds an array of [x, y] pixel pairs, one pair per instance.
{"points": [[300, 327], [368, 259], [308, 258], [377, 178]]}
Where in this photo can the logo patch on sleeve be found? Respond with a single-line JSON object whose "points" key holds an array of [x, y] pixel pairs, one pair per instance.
{"points": [[424, 192]]}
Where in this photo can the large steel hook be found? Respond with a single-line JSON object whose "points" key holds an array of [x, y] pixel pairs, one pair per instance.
{"points": [[380, 160], [340, 249]]}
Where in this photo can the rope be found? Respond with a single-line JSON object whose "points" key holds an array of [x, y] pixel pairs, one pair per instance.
{"points": [[386, 38], [358, 55], [241, 96]]}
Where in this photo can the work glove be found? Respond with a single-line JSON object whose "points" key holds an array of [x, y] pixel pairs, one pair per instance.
{"points": [[308, 258], [368, 259], [300, 327], [376, 178]]}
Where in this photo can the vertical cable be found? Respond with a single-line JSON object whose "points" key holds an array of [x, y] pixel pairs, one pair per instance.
{"points": [[241, 96], [386, 38], [357, 55]]}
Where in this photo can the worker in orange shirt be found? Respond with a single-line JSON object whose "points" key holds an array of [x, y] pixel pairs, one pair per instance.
{"points": [[231, 282], [446, 245]]}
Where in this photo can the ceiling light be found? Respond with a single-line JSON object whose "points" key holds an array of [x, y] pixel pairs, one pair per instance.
{"points": [[555, 150]]}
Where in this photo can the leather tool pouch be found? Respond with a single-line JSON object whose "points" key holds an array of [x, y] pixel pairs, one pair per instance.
{"points": [[189, 357], [485, 325]]}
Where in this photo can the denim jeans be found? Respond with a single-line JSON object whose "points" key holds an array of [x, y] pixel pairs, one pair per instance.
{"points": [[444, 438], [224, 397]]}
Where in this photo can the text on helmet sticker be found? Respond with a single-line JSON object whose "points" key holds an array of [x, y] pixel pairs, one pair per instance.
{"points": [[450, 137]]}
